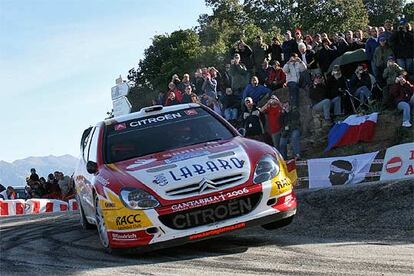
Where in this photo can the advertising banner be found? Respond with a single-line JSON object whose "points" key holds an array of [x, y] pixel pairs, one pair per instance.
{"points": [[346, 170], [398, 162]]}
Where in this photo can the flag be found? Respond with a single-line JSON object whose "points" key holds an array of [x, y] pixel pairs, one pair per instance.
{"points": [[334, 171], [352, 130]]}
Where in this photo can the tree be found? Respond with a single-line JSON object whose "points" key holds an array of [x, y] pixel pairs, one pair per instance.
{"points": [[168, 54], [331, 16], [408, 11], [381, 10]]}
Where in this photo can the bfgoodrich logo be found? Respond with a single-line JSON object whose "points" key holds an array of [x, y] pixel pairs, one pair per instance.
{"points": [[124, 236]]}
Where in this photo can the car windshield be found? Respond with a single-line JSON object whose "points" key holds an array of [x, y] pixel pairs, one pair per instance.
{"points": [[143, 136]]}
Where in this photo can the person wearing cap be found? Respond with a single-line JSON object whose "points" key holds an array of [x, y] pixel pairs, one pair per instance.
{"points": [[293, 69], [255, 90], [252, 122], [402, 93], [370, 46], [245, 53], [402, 44], [392, 71], [380, 58], [239, 75], [275, 50], [360, 83], [289, 46]]}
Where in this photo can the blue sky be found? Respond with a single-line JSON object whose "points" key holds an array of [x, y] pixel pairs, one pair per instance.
{"points": [[59, 60]]}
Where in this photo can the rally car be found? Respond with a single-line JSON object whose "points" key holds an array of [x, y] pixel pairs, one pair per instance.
{"points": [[165, 176]]}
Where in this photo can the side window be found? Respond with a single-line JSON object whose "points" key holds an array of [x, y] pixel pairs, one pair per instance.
{"points": [[87, 144], [93, 147], [84, 141]]}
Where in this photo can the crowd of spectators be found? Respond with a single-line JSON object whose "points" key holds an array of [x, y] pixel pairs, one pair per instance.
{"points": [[245, 92], [57, 186]]}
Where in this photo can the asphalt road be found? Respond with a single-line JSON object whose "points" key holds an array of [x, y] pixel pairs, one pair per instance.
{"points": [[365, 230]]}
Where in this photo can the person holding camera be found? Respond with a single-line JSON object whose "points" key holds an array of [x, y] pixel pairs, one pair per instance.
{"points": [[252, 122], [273, 110], [360, 83], [239, 75], [293, 69], [402, 42]]}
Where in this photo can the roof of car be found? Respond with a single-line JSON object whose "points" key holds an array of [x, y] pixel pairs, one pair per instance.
{"points": [[147, 111]]}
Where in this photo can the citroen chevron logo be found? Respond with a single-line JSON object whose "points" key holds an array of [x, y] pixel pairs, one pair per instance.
{"points": [[206, 184]]}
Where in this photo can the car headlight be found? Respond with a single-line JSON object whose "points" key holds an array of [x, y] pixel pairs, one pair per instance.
{"points": [[138, 199], [266, 169]]}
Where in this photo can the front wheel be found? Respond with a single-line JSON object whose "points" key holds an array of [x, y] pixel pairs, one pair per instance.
{"points": [[100, 225], [278, 224]]}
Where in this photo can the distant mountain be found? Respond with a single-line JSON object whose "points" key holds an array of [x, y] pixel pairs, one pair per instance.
{"points": [[14, 174]]}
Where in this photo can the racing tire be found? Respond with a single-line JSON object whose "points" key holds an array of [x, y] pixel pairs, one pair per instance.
{"points": [[278, 224], [83, 221], [100, 225]]}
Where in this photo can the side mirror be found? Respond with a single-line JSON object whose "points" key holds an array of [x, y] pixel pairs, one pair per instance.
{"points": [[242, 131], [92, 167]]}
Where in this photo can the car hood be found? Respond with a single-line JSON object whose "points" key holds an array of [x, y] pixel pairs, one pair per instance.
{"points": [[192, 171]]}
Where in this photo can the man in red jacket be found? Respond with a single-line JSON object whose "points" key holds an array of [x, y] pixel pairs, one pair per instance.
{"points": [[402, 93]]}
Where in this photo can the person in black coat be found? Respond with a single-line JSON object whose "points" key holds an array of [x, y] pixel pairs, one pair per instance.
{"points": [[275, 50]]}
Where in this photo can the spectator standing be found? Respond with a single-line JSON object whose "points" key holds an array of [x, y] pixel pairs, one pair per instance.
{"points": [[293, 69], [245, 53], [260, 53], [239, 75], [255, 90], [210, 84], [64, 183], [402, 43], [326, 55], [275, 50], [309, 59], [388, 29], [251, 120], [173, 89], [226, 78], [273, 110], [263, 72], [340, 44], [402, 93], [290, 120], [187, 94], [33, 175], [186, 82], [11, 193], [370, 46], [171, 99], [289, 46], [198, 81], [380, 58]]}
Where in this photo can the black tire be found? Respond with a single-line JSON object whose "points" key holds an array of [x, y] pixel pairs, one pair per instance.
{"points": [[278, 224], [83, 221], [101, 227]]}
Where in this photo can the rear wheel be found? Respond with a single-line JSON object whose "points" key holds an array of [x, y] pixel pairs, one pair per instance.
{"points": [[278, 224], [100, 224], [83, 221]]}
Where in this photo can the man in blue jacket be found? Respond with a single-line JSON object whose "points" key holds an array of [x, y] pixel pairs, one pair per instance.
{"points": [[255, 90]]}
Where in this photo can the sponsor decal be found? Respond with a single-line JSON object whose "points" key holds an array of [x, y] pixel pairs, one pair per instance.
{"points": [[206, 167], [127, 220], [217, 231], [215, 213], [208, 200], [190, 112], [126, 236], [160, 180], [110, 205], [102, 180], [161, 118], [198, 149], [140, 162], [185, 156], [119, 127]]}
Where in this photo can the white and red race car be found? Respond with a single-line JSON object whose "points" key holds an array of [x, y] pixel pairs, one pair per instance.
{"points": [[165, 176]]}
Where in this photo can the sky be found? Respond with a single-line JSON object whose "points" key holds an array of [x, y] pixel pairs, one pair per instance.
{"points": [[59, 60]]}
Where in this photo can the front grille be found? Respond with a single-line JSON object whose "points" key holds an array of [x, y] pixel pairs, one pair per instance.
{"points": [[212, 213], [205, 185]]}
